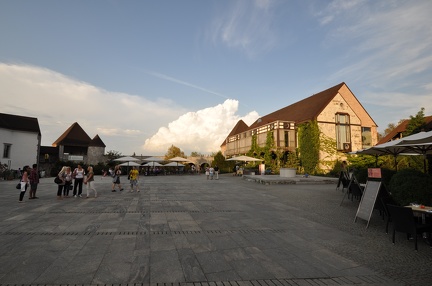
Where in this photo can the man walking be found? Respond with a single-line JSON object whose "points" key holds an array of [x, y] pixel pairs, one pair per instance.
{"points": [[34, 181], [133, 177], [216, 169]]}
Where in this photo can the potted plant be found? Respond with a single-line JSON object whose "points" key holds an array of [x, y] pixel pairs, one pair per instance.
{"points": [[289, 167]]}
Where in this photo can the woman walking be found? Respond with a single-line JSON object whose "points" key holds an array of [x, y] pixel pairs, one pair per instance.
{"points": [[78, 175], [90, 182], [116, 179], [68, 182], [61, 175], [24, 183]]}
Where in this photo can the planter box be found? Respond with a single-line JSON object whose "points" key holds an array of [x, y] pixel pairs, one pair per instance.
{"points": [[288, 172]]}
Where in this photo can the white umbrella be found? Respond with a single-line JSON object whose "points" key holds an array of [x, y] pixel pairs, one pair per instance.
{"points": [[152, 164], [418, 138], [416, 144], [126, 158], [178, 159], [154, 161], [244, 159], [130, 164], [420, 143], [174, 164]]}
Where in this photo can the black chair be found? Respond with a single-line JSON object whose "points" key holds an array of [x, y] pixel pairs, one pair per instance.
{"points": [[344, 180], [404, 221], [355, 191], [386, 200]]}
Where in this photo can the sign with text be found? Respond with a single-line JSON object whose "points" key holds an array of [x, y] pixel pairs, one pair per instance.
{"points": [[368, 200], [75, 158], [374, 173]]}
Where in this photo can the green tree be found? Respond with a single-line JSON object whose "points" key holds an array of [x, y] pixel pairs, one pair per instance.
{"points": [[174, 151], [220, 161], [328, 146], [390, 128], [309, 146], [255, 150], [271, 158], [196, 154], [290, 159], [416, 123], [111, 155]]}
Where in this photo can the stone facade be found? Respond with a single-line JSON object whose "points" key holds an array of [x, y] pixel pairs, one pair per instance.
{"points": [[339, 114], [95, 154]]}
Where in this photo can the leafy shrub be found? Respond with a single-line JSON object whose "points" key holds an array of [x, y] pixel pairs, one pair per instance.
{"points": [[97, 169], [409, 186]]}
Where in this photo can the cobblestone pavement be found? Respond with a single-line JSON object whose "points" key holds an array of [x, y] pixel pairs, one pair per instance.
{"points": [[188, 230]]}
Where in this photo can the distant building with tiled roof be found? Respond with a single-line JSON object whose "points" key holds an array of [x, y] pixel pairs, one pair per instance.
{"points": [[75, 145], [339, 115], [397, 132], [20, 139]]}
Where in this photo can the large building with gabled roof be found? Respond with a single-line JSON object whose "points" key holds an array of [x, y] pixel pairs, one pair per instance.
{"points": [[75, 145], [20, 139], [339, 115]]}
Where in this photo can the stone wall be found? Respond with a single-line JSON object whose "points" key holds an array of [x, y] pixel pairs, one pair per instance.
{"points": [[95, 155]]}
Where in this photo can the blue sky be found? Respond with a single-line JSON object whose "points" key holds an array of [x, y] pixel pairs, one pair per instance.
{"points": [[147, 74]]}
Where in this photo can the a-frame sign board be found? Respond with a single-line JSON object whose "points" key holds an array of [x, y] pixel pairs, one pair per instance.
{"points": [[369, 197], [368, 200]]}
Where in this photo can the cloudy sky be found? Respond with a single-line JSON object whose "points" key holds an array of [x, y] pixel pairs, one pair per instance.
{"points": [[144, 75]]}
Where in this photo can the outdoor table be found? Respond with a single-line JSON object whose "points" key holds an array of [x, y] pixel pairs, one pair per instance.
{"points": [[423, 211]]}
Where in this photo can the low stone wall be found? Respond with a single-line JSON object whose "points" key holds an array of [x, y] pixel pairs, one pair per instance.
{"points": [[276, 180]]}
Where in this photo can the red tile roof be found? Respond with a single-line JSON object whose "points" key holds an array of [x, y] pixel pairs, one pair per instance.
{"points": [[396, 133], [240, 127], [303, 110], [73, 136]]}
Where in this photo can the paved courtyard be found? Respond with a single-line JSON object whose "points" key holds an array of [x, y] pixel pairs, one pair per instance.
{"points": [[188, 230]]}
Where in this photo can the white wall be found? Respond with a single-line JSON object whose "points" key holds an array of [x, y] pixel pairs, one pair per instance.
{"points": [[24, 149]]}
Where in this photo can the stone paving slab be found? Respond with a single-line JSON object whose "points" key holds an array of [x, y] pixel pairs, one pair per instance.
{"points": [[186, 230]]}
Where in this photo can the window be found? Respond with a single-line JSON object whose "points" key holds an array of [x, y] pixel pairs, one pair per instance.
{"points": [[366, 137], [343, 134], [6, 150], [286, 138]]}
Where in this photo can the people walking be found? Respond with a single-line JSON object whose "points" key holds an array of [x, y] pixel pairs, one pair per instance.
{"points": [[216, 170], [61, 175], [211, 171], [24, 182], [207, 172], [34, 181], [90, 182], [78, 175], [116, 179], [133, 178], [68, 182]]}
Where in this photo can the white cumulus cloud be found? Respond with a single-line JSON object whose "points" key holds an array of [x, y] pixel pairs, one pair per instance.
{"points": [[123, 121], [201, 131]]}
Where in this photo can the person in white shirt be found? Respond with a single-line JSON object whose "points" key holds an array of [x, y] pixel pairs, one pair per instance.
{"points": [[78, 175]]}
